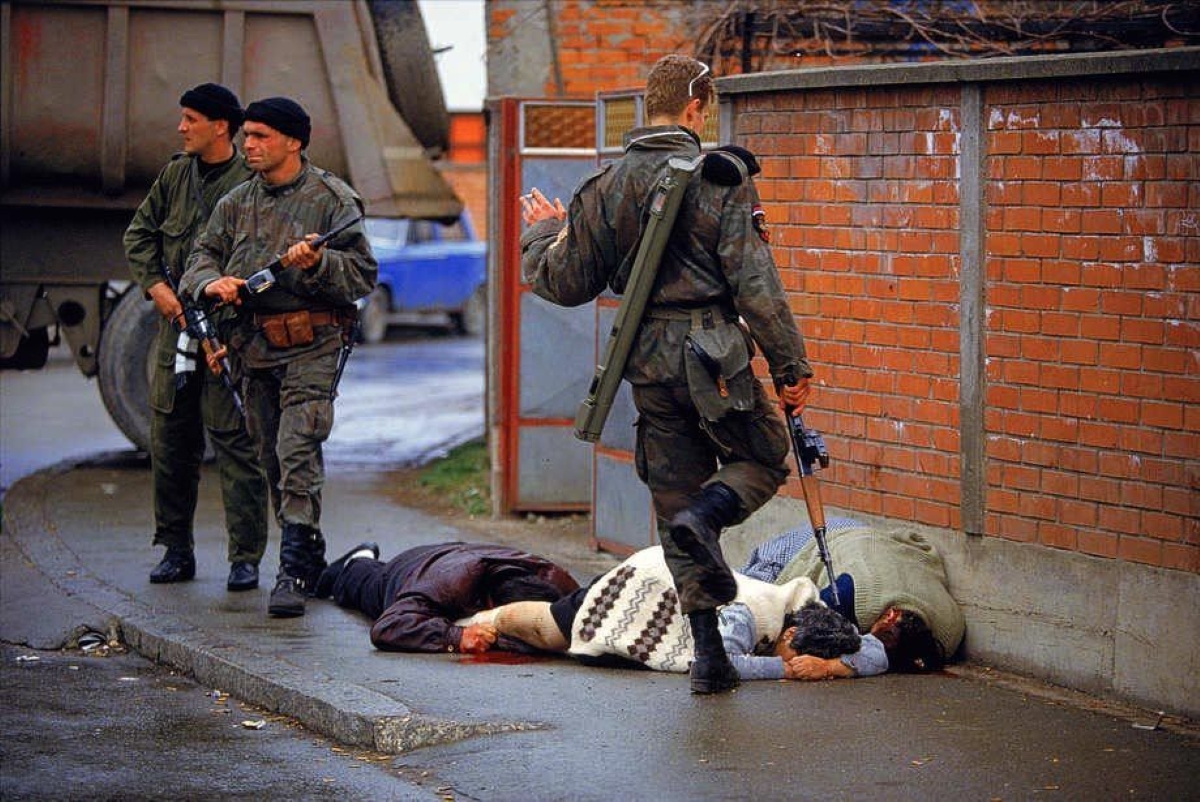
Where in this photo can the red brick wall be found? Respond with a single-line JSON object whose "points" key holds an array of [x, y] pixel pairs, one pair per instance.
{"points": [[1092, 295], [1092, 302], [1094, 317]]}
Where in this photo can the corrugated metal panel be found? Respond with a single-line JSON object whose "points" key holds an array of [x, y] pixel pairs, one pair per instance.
{"points": [[91, 95], [544, 354]]}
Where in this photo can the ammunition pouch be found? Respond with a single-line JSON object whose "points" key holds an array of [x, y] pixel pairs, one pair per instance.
{"points": [[294, 329], [717, 363]]}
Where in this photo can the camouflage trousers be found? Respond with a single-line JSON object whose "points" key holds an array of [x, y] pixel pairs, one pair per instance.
{"points": [[178, 423], [679, 453], [289, 414]]}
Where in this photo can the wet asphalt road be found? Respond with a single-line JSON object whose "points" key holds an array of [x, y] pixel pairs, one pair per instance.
{"points": [[85, 727], [79, 726], [401, 402]]}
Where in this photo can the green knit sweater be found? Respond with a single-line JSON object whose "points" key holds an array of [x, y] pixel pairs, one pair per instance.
{"points": [[893, 569]]}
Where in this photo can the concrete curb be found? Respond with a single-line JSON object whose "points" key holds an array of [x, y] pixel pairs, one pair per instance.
{"points": [[345, 712]]}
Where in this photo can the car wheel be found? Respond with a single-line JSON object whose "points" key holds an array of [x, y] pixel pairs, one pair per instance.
{"points": [[373, 320], [472, 320]]}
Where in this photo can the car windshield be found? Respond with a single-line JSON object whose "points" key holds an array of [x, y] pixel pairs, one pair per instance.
{"points": [[387, 232]]}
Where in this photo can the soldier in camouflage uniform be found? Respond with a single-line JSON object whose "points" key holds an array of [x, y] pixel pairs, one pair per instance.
{"points": [[290, 336], [187, 402], [709, 444]]}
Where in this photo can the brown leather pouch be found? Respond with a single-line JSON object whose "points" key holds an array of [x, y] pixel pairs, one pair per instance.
{"points": [[288, 329], [299, 327], [274, 330]]}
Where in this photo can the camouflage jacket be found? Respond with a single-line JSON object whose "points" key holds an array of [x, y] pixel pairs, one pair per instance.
{"points": [[256, 222], [166, 224], [714, 257], [173, 213]]}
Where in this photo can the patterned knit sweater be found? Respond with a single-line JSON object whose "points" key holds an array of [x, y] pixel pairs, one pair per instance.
{"points": [[633, 612]]}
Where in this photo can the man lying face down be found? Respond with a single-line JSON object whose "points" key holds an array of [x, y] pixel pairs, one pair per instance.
{"points": [[892, 582], [630, 616], [418, 596]]}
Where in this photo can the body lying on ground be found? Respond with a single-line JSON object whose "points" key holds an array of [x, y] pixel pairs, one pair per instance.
{"points": [[417, 597], [630, 615], [893, 583]]}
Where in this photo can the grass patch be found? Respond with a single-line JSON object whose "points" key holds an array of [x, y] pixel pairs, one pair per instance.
{"points": [[462, 477]]}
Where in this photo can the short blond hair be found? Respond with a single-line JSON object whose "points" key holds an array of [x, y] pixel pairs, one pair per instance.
{"points": [[667, 85]]}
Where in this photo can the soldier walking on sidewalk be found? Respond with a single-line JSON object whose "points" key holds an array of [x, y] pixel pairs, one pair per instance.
{"points": [[709, 444], [290, 336]]}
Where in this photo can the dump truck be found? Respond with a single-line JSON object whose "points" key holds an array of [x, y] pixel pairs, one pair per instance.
{"points": [[89, 95]]}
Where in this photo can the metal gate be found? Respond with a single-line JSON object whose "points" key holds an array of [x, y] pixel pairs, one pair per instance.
{"points": [[540, 357]]}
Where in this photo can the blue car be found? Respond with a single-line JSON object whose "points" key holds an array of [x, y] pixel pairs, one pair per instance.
{"points": [[429, 274]]}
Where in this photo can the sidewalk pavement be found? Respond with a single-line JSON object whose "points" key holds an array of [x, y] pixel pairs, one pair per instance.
{"points": [[75, 552]]}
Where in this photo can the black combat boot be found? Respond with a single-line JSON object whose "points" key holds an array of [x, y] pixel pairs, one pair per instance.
{"points": [[712, 672], [178, 565], [316, 561], [287, 599], [697, 532]]}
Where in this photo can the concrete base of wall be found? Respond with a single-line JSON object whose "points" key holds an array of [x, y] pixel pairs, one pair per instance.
{"points": [[1106, 627]]}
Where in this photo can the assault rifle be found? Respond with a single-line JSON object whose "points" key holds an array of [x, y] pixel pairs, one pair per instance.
{"points": [[811, 455], [197, 325], [262, 280], [663, 208]]}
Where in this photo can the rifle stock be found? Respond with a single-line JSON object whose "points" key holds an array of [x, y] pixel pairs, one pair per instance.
{"points": [[663, 209]]}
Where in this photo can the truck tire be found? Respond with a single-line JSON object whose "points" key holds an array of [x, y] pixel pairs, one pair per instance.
{"points": [[373, 319], [126, 360], [411, 72]]}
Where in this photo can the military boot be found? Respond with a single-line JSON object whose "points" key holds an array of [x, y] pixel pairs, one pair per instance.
{"points": [[287, 599], [711, 672], [178, 565], [696, 531], [316, 561]]}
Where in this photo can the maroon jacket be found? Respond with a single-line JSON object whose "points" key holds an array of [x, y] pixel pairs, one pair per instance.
{"points": [[428, 588]]}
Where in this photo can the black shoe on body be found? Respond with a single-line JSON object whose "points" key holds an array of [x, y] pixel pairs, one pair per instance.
{"points": [[242, 576], [323, 587], [711, 671], [178, 565], [287, 599]]}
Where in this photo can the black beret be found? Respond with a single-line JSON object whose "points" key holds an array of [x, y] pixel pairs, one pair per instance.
{"points": [[215, 102], [284, 115]]}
